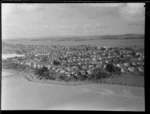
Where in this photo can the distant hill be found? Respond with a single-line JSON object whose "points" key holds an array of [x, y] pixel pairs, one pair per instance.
{"points": [[104, 37], [133, 36], [124, 36]]}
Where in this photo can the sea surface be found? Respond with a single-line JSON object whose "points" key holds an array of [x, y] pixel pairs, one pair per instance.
{"points": [[111, 43]]}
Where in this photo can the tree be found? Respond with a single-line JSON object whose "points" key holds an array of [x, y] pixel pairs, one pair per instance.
{"points": [[121, 56], [113, 69], [44, 59], [42, 72], [133, 53], [81, 76], [110, 68], [56, 62], [51, 75], [98, 74], [117, 70]]}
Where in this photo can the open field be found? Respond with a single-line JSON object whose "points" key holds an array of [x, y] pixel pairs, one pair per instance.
{"points": [[129, 80], [18, 93]]}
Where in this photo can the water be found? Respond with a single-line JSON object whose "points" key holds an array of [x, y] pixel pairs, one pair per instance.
{"points": [[5, 56], [112, 43]]}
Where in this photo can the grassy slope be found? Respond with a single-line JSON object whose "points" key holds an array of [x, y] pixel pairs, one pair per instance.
{"points": [[126, 80]]}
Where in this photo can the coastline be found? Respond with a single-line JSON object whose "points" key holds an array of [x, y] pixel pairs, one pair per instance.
{"points": [[32, 78], [19, 93]]}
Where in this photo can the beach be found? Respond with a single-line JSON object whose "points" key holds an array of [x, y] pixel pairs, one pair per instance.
{"points": [[20, 94]]}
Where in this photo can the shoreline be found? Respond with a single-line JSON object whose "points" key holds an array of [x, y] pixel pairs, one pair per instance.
{"points": [[19, 93], [74, 83], [32, 78], [77, 83]]}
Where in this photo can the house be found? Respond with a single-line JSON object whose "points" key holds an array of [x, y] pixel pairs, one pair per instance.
{"points": [[140, 69], [131, 69], [48, 66], [21, 63], [38, 66], [34, 65], [126, 64], [122, 67]]}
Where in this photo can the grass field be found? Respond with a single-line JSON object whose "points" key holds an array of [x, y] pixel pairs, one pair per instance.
{"points": [[128, 80]]}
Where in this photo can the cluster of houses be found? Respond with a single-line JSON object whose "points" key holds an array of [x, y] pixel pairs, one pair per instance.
{"points": [[83, 59]]}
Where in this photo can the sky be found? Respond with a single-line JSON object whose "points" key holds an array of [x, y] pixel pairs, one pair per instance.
{"points": [[28, 20]]}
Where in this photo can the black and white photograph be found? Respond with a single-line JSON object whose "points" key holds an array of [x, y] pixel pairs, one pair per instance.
{"points": [[73, 56]]}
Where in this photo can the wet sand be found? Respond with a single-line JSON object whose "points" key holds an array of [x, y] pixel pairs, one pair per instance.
{"points": [[19, 93]]}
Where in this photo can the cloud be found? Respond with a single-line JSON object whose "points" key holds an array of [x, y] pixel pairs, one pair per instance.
{"points": [[136, 24], [132, 12], [127, 11], [31, 7], [87, 27], [110, 5], [77, 28], [93, 27], [20, 7], [10, 10]]}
